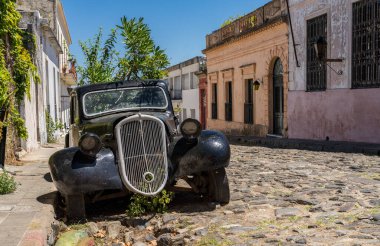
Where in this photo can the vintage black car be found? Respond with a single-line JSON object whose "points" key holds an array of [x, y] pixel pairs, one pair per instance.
{"points": [[124, 138]]}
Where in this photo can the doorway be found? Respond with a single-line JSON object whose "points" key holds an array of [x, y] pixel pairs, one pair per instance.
{"points": [[278, 98]]}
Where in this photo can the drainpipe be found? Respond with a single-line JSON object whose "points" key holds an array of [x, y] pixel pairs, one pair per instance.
{"points": [[291, 30]]}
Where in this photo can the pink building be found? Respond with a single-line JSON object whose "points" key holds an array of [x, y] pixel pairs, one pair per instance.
{"points": [[330, 98]]}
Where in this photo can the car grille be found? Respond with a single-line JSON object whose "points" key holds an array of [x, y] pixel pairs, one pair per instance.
{"points": [[143, 160]]}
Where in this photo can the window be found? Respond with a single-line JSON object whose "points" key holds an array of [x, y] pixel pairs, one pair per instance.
{"points": [[184, 113], [177, 93], [366, 44], [228, 105], [248, 105], [214, 102], [185, 80], [316, 71], [193, 81], [192, 112]]}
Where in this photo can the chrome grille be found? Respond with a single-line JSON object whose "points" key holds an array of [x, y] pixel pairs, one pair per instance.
{"points": [[143, 161]]}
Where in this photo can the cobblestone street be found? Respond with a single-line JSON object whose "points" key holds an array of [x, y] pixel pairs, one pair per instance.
{"points": [[278, 197]]}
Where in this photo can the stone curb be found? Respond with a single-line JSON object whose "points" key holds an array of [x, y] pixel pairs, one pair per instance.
{"points": [[313, 145]]}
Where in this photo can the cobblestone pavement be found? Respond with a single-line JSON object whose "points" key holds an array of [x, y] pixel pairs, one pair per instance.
{"points": [[278, 197]]}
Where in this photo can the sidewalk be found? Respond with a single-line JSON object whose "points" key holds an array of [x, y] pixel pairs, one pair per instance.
{"points": [[26, 214]]}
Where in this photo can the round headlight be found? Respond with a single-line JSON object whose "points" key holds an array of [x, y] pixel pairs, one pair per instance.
{"points": [[191, 128], [90, 144]]}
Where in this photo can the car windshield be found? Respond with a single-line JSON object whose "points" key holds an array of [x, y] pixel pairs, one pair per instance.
{"points": [[100, 102]]}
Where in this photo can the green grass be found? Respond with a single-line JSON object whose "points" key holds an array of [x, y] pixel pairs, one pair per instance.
{"points": [[7, 183]]}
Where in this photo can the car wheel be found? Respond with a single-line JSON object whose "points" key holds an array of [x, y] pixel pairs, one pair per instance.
{"points": [[75, 207], [218, 187]]}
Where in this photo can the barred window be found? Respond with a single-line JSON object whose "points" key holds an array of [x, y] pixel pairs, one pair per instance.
{"points": [[366, 44], [316, 70]]}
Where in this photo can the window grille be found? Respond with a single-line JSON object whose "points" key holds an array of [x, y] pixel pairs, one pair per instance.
{"points": [[316, 70], [366, 44]]}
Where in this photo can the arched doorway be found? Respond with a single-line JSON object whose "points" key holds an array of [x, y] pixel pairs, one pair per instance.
{"points": [[278, 98]]}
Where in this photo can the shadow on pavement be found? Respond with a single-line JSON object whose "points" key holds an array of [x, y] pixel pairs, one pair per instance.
{"points": [[115, 209]]}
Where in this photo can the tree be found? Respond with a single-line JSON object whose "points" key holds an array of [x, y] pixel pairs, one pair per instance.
{"points": [[16, 67], [99, 60], [140, 58]]}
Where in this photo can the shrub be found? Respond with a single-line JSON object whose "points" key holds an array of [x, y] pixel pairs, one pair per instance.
{"points": [[7, 183], [144, 204]]}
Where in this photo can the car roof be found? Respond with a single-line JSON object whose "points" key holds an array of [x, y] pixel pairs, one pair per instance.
{"points": [[81, 90]]}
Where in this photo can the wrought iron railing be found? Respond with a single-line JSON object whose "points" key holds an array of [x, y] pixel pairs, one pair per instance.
{"points": [[248, 113], [228, 111], [249, 22]]}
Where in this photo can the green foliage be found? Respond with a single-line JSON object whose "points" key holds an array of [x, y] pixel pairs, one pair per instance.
{"points": [[143, 204], [99, 65], [230, 20], [251, 20], [50, 127], [140, 58], [16, 65], [7, 183]]}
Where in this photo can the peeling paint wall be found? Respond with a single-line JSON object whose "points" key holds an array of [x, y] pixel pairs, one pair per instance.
{"points": [[340, 113]]}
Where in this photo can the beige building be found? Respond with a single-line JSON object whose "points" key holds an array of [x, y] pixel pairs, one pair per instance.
{"points": [[250, 52]]}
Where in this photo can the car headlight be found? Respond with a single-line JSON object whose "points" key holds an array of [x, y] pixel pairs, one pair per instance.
{"points": [[90, 144], [191, 128]]}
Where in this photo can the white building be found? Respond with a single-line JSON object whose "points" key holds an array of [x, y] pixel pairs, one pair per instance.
{"points": [[45, 21], [183, 86]]}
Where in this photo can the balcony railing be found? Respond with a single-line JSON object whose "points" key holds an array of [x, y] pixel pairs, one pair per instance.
{"points": [[248, 113], [249, 22], [228, 111], [214, 110]]}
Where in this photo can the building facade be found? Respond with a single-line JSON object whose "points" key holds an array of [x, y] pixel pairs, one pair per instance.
{"points": [[247, 64], [45, 21], [335, 96], [183, 85]]}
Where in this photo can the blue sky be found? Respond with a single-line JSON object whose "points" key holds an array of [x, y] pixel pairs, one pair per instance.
{"points": [[179, 27]]}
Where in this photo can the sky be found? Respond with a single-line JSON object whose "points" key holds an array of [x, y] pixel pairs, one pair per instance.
{"points": [[179, 27]]}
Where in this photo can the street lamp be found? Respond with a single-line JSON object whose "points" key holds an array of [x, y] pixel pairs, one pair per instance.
{"points": [[320, 48], [256, 85]]}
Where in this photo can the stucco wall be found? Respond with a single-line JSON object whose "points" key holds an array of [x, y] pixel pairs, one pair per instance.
{"points": [[345, 114], [251, 57], [190, 100], [341, 113]]}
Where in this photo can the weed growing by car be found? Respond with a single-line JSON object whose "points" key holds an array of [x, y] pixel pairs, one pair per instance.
{"points": [[143, 204], [7, 183]]}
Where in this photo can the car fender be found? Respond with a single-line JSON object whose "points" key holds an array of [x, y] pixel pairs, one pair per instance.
{"points": [[210, 151], [74, 173]]}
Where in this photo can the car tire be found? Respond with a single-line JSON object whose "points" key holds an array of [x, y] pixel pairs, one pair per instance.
{"points": [[75, 207], [218, 187]]}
